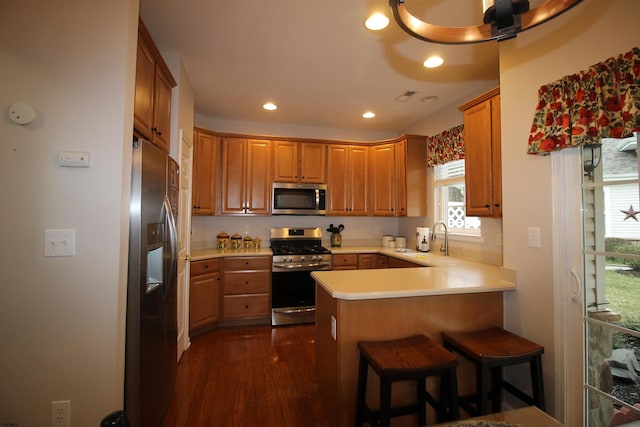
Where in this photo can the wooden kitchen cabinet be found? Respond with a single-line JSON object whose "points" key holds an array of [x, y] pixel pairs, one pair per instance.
{"points": [[344, 261], [204, 296], [354, 261], [388, 179], [246, 176], [347, 180], [483, 173], [400, 263], [299, 162], [382, 261], [367, 261], [205, 159], [247, 290], [153, 85]]}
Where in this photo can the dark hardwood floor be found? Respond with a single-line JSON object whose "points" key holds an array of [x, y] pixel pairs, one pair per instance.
{"points": [[257, 376]]}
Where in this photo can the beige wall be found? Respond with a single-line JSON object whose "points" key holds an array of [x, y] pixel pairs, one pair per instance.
{"points": [[62, 319], [591, 32]]}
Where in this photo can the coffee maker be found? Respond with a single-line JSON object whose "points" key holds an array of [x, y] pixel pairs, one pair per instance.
{"points": [[422, 239]]}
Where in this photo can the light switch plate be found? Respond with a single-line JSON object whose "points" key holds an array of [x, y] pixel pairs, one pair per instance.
{"points": [[60, 242], [534, 237]]}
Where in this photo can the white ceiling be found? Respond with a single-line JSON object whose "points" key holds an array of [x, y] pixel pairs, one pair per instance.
{"points": [[316, 60]]}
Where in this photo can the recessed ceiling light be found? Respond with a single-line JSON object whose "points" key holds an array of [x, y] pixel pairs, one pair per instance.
{"points": [[376, 22], [369, 115], [433, 62], [270, 106]]}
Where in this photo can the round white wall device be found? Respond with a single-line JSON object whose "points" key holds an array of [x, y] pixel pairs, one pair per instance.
{"points": [[22, 113]]}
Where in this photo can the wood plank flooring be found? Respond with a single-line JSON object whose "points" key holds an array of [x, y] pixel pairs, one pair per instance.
{"points": [[258, 376]]}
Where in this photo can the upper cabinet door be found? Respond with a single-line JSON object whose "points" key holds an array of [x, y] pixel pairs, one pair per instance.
{"points": [[482, 156], [313, 162], [233, 176], [246, 176], [205, 158], [358, 180], [383, 180], [143, 105], [258, 172], [152, 102], [304, 162], [285, 161]]}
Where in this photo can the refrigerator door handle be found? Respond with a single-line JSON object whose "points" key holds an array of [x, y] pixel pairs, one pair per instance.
{"points": [[173, 239], [152, 286]]}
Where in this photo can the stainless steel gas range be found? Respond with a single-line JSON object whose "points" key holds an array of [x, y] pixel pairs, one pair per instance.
{"points": [[296, 253]]}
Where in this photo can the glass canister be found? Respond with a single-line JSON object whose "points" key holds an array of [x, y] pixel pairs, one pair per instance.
{"points": [[223, 240], [236, 241], [256, 243], [247, 242], [336, 240]]}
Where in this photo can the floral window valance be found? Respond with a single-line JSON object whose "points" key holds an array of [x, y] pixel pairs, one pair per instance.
{"points": [[446, 146], [601, 102]]}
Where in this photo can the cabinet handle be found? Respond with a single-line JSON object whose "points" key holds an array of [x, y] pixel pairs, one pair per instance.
{"points": [[246, 282], [206, 266], [497, 205], [246, 306]]}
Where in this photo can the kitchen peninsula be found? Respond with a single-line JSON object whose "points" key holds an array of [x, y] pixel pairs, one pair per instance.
{"points": [[447, 294]]}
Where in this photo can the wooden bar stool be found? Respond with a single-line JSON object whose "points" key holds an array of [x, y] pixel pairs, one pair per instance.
{"points": [[491, 350], [413, 358]]}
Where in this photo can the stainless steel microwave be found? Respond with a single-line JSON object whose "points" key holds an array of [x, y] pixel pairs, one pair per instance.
{"points": [[298, 199]]}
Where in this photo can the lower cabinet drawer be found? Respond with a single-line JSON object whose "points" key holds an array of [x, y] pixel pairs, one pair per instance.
{"points": [[236, 282], [246, 306]]}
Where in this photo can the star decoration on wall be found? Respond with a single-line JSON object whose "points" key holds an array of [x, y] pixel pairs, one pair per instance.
{"points": [[630, 213]]}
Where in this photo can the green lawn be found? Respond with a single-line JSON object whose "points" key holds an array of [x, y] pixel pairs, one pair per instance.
{"points": [[623, 292]]}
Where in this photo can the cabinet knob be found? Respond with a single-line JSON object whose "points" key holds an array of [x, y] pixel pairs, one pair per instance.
{"points": [[246, 306], [497, 205], [487, 206]]}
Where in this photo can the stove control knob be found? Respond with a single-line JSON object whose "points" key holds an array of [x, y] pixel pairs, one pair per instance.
{"points": [[290, 259], [314, 258], [302, 258]]}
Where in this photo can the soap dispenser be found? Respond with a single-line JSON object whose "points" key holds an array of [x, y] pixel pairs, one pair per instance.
{"points": [[424, 245]]}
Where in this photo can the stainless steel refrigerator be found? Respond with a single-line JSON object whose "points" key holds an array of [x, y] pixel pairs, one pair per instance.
{"points": [[150, 361]]}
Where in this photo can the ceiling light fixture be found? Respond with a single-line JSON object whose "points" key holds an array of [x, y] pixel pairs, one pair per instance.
{"points": [[503, 19], [369, 115], [376, 22], [270, 106], [430, 98], [433, 62]]}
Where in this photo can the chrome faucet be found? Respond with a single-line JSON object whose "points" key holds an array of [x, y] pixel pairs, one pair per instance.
{"points": [[445, 246]]}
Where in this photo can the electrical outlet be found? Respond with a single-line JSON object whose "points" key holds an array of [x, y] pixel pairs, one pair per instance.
{"points": [[61, 413]]}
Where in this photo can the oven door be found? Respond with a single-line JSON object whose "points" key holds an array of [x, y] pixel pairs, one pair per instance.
{"points": [[293, 298]]}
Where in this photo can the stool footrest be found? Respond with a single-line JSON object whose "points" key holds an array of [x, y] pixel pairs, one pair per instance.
{"points": [[518, 393]]}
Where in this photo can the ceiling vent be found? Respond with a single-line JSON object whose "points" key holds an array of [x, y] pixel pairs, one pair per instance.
{"points": [[406, 96]]}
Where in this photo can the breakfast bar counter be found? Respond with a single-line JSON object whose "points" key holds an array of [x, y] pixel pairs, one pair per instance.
{"points": [[448, 294]]}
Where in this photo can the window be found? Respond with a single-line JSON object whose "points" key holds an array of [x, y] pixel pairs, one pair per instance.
{"points": [[449, 198], [612, 279]]}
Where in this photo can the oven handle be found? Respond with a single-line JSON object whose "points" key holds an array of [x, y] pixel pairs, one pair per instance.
{"points": [[287, 266], [294, 310]]}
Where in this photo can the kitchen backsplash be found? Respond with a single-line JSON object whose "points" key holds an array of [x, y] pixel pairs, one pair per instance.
{"points": [[358, 231]]}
